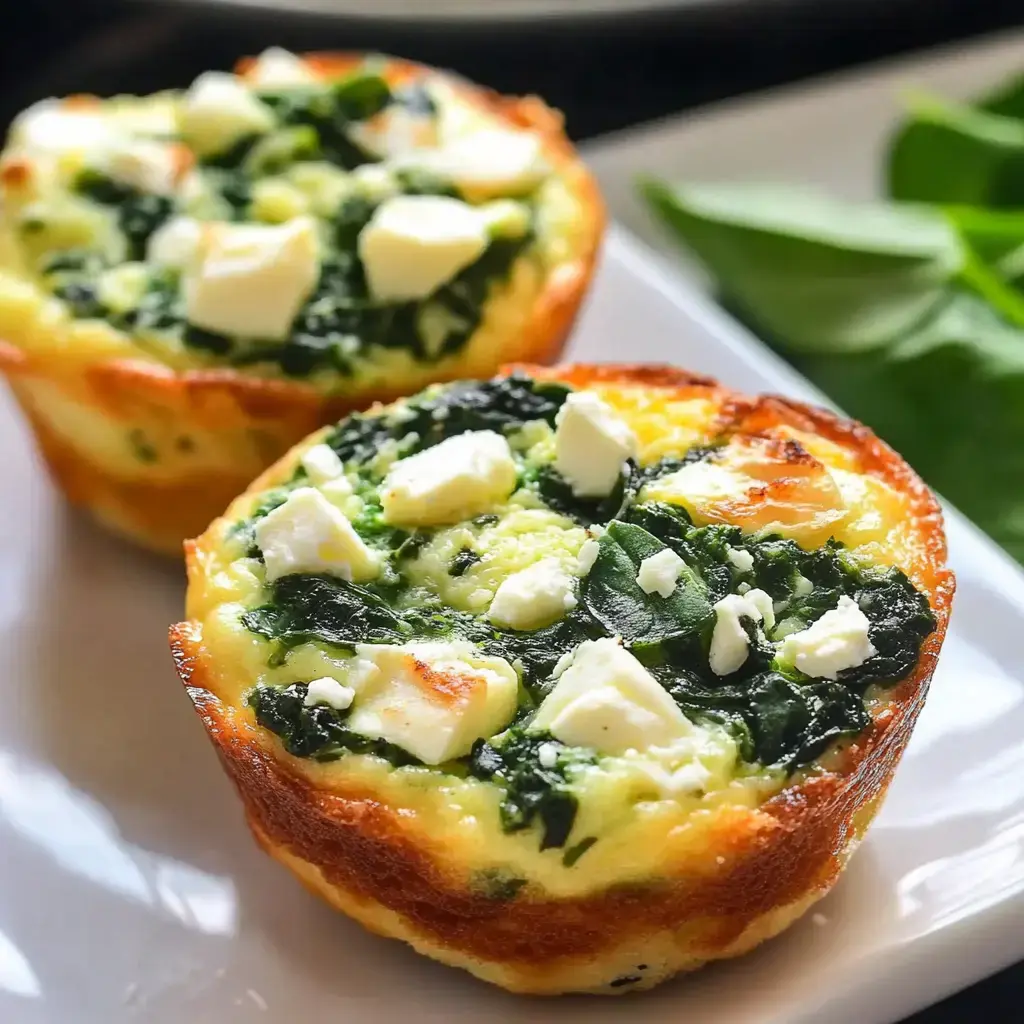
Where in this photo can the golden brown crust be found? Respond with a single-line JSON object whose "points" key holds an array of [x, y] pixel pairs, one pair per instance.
{"points": [[374, 863], [256, 420]]}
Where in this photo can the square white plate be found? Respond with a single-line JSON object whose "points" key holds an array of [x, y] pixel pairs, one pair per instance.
{"points": [[130, 890]]}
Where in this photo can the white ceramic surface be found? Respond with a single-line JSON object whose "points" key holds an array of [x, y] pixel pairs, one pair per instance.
{"points": [[131, 892]]}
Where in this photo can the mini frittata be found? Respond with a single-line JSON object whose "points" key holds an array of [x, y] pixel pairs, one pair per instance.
{"points": [[574, 678], [192, 281]]}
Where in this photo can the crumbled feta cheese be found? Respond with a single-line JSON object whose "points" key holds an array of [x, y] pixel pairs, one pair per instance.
{"points": [[329, 691], [54, 127], [659, 573], [729, 641], [562, 664], [587, 556], [606, 700], [837, 641], [250, 280], [459, 478], [414, 244], [591, 444], [434, 699], [489, 162], [547, 755], [533, 597], [175, 243], [308, 534], [742, 559], [803, 587], [701, 483], [145, 164], [276, 68], [338, 490], [218, 110], [395, 131], [321, 464]]}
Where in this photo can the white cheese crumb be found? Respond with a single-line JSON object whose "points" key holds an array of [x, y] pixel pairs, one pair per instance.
{"points": [[321, 464], [802, 587], [434, 699], [329, 691], [591, 444], [533, 597], [743, 588], [276, 68], [659, 573], [729, 641], [175, 243], [587, 556], [462, 477], [835, 642], [743, 560], [414, 244], [396, 131], [308, 534], [145, 164], [250, 280], [547, 754], [489, 162], [562, 664], [54, 127], [218, 110], [607, 701]]}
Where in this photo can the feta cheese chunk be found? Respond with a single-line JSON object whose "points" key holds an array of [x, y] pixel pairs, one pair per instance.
{"points": [[53, 128], [329, 691], [457, 479], [742, 559], [276, 68], [308, 534], [434, 699], [659, 573], [591, 445], [489, 162], [606, 700], [394, 132], [700, 484], [250, 280], [533, 597], [321, 463], [729, 641], [145, 164], [835, 642], [175, 243], [588, 556], [218, 110], [414, 244]]}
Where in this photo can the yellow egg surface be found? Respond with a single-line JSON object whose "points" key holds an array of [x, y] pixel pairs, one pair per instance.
{"points": [[192, 281], [575, 678]]}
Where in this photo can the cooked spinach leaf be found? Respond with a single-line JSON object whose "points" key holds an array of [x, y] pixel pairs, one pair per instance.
{"points": [[318, 732], [534, 794], [139, 214], [612, 595]]}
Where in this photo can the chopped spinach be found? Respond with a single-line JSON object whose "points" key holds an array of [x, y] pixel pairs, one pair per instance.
{"points": [[465, 559], [534, 794], [139, 213], [317, 732]]}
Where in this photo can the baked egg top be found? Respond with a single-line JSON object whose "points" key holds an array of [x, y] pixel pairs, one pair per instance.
{"points": [[555, 623], [345, 227]]}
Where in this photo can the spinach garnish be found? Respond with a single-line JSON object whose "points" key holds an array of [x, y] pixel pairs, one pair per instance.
{"points": [[910, 314], [534, 794], [317, 732], [465, 559]]}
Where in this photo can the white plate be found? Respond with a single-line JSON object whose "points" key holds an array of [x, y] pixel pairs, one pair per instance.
{"points": [[130, 890]]}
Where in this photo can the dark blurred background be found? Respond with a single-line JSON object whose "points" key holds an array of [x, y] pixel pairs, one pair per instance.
{"points": [[606, 72]]}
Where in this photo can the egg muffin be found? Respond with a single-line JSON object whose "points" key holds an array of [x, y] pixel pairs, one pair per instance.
{"points": [[192, 281], [574, 678]]}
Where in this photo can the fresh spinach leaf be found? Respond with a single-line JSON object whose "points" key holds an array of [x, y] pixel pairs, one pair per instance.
{"points": [[817, 274], [951, 153]]}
